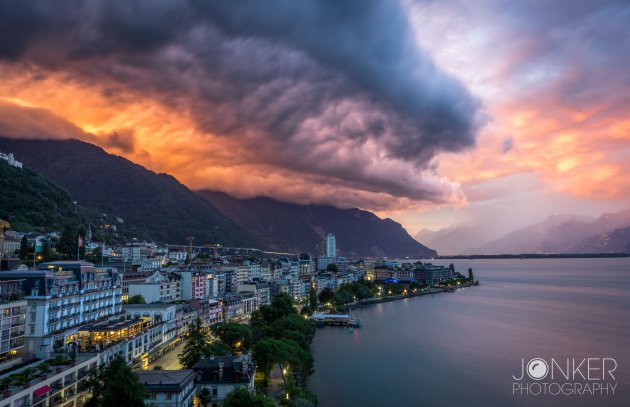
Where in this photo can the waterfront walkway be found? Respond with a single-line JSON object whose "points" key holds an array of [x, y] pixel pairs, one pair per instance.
{"points": [[432, 290]]}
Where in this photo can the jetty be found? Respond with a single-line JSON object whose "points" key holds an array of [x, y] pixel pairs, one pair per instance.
{"points": [[335, 319]]}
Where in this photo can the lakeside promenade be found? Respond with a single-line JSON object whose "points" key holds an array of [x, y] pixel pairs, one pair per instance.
{"points": [[388, 298]]}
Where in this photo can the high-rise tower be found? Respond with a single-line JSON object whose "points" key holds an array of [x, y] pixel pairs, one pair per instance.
{"points": [[331, 245]]}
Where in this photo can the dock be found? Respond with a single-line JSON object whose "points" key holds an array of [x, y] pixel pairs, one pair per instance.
{"points": [[335, 320]]}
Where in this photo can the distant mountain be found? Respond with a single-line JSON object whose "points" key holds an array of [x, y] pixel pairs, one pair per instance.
{"points": [[28, 201], [290, 227], [616, 241], [558, 234], [454, 239], [152, 206]]}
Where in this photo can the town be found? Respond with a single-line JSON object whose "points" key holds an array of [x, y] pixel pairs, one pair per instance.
{"points": [[72, 308]]}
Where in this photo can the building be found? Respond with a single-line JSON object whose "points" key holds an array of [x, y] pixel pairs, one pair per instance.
{"points": [[210, 311], [194, 285], [324, 261], [9, 246], [133, 277], [169, 388], [165, 314], [10, 160], [158, 287], [331, 245], [259, 288], [12, 323], [222, 374], [61, 297], [62, 385], [186, 314]]}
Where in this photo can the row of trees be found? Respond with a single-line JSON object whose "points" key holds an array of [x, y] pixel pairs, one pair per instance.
{"points": [[358, 291], [277, 335]]}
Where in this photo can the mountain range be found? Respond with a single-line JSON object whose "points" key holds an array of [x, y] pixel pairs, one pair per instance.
{"points": [[566, 233], [158, 207], [284, 226]]}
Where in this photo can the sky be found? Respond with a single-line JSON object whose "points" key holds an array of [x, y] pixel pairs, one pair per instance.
{"points": [[433, 113]]}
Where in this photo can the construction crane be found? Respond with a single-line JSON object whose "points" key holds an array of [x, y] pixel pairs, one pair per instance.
{"points": [[190, 241]]}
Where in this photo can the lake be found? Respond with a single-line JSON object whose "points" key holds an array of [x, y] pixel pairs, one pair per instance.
{"points": [[463, 348]]}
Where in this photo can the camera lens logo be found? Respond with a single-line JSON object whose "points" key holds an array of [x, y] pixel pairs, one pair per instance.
{"points": [[537, 369]]}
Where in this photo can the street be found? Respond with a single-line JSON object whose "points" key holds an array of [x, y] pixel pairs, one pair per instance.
{"points": [[169, 361]]}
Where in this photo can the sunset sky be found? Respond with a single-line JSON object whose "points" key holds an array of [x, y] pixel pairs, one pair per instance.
{"points": [[433, 113]]}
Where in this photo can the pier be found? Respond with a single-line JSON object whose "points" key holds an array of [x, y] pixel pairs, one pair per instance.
{"points": [[335, 320]]}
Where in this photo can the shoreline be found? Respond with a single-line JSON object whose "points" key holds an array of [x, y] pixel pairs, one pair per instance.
{"points": [[391, 298]]}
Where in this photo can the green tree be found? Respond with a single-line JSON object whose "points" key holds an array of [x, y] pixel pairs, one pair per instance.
{"points": [[326, 295], [241, 397], [306, 311], [197, 342], [451, 267], [343, 296], [46, 250], [115, 384], [293, 327], [136, 299], [218, 348], [24, 248], [332, 267], [313, 298], [470, 274], [282, 304], [285, 353], [68, 242], [205, 397], [236, 336]]}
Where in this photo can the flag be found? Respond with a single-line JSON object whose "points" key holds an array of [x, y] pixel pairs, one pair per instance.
{"points": [[80, 241]]}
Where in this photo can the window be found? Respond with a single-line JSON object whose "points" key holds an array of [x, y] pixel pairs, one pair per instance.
{"points": [[169, 396]]}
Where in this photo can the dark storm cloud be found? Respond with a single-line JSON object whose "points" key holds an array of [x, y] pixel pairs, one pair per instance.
{"points": [[318, 87]]}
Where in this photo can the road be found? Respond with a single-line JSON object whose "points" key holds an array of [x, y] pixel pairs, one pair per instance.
{"points": [[169, 361]]}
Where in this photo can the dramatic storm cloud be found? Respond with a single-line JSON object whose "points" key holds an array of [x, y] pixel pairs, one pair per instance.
{"points": [[310, 101]]}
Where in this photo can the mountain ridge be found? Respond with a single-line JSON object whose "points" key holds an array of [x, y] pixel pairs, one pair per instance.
{"points": [[156, 206], [292, 226]]}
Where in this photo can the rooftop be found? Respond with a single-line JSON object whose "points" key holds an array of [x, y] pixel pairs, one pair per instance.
{"points": [[165, 378], [111, 326]]}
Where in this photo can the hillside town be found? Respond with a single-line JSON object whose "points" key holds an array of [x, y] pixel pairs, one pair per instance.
{"points": [[64, 314]]}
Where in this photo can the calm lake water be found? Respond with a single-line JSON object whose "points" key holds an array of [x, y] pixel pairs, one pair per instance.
{"points": [[462, 348]]}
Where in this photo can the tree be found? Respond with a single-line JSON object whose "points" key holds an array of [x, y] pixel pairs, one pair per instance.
{"points": [[24, 248], [343, 296], [205, 397], [115, 384], [451, 267], [326, 295], [313, 298], [196, 345], [293, 327], [68, 242], [282, 304], [46, 250], [241, 397], [218, 348], [332, 267], [470, 274], [306, 310], [136, 299], [236, 336]]}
